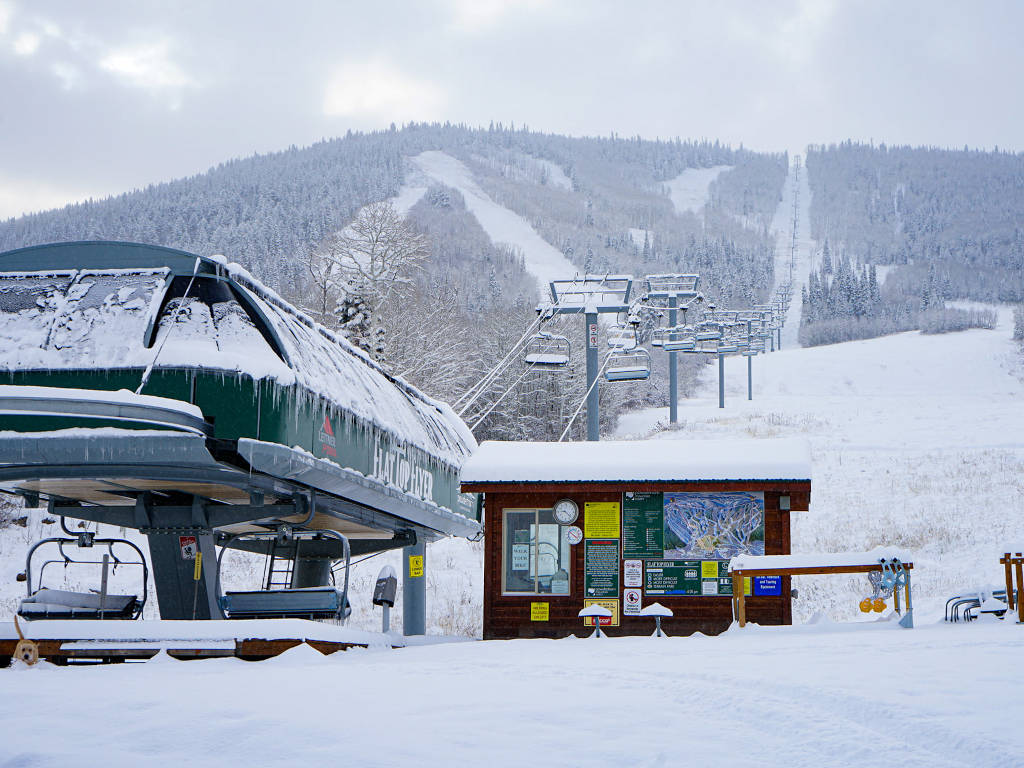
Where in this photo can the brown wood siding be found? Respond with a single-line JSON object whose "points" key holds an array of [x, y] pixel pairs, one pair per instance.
{"points": [[508, 616]]}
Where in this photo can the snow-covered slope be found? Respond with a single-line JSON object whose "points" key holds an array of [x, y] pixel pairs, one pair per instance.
{"points": [[916, 441], [796, 197], [689, 190], [543, 260]]}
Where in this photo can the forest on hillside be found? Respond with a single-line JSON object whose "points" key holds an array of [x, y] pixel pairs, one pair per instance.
{"points": [[279, 215]]}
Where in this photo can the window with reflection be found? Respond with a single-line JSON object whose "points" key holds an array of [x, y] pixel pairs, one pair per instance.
{"points": [[535, 553]]}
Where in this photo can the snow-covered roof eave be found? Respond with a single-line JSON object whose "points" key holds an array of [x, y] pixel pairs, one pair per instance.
{"points": [[651, 461]]}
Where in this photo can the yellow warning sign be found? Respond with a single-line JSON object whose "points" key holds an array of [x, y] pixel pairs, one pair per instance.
{"points": [[601, 519], [709, 569], [611, 605], [415, 565], [540, 611], [746, 586], [198, 570]]}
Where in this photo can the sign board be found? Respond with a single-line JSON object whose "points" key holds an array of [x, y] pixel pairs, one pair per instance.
{"points": [[767, 586], [189, 547], [632, 600], [520, 557], [601, 519], [632, 573], [592, 335], [540, 611], [709, 578], [601, 568], [643, 524], [606, 621], [415, 565]]}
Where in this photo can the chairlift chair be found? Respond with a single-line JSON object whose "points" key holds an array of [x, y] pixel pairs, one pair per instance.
{"points": [[628, 365], [48, 603], [547, 351], [323, 602], [622, 336]]}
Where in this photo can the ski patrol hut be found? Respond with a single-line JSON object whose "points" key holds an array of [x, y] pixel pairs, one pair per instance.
{"points": [[628, 524]]}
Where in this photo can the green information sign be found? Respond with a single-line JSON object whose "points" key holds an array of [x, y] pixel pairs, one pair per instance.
{"points": [[601, 568], [709, 578], [643, 525]]}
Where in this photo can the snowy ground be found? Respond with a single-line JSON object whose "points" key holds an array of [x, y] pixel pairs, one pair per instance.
{"points": [[822, 695]]}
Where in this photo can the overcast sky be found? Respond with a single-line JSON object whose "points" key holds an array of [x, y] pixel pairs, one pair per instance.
{"points": [[100, 97]]}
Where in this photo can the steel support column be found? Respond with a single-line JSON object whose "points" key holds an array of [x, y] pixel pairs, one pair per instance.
{"points": [[593, 416], [721, 380], [673, 382], [172, 557], [414, 589]]}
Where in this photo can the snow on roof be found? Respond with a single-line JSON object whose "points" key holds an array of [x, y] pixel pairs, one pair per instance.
{"points": [[98, 318], [639, 460], [820, 559]]}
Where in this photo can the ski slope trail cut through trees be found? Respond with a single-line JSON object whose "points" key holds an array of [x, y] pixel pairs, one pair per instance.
{"points": [[796, 197], [689, 190], [542, 259], [915, 441]]}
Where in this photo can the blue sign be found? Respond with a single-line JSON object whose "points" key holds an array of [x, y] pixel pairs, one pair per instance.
{"points": [[767, 586]]}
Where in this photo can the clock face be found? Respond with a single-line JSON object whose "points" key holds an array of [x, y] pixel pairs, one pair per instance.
{"points": [[566, 511]]}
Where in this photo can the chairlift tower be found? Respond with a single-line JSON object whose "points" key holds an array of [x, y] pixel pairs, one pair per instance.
{"points": [[590, 296], [673, 289]]}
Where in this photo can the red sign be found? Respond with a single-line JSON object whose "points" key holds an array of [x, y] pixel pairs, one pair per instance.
{"points": [[593, 335], [189, 547], [327, 442]]}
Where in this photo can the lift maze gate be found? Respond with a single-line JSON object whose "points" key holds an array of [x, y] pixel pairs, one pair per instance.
{"points": [[254, 428]]}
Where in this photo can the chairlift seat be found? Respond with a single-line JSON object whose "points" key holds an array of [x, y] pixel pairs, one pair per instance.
{"points": [[551, 359], [632, 365], [62, 604], [676, 345], [304, 603]]}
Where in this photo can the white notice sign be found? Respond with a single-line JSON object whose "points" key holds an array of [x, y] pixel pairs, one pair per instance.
{"points": [[631, 599], [632, 573], [520, 557]]}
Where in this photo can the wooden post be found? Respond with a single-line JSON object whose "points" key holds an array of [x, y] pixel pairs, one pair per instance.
{"points": [[1008, 572], [740, 608]]}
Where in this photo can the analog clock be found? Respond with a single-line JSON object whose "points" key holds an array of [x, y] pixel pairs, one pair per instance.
{"points": [[566, 511]]}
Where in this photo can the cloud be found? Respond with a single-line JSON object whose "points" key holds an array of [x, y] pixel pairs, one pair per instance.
{"points": [[68, 75], [376, 88], [146, 66], [26, 43], [472, 16], [6, 12]]}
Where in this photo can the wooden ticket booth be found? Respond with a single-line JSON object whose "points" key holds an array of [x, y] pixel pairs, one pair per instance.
{"points": [[627, 524]]}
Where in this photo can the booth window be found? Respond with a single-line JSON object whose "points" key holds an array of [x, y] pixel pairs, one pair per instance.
{"points": [[535, 553]]}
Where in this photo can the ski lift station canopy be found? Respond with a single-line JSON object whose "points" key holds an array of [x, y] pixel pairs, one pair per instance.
{"points": [[629, 523], [250, 412]]}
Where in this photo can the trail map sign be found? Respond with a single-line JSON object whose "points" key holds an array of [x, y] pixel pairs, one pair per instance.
{"points": [[684, 540]]}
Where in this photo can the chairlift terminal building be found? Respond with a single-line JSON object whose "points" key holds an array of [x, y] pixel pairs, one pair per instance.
{"points": [[627, 524]]}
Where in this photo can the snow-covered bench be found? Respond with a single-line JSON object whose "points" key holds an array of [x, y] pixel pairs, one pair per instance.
{"points": [[879, 559], [61, 604]]}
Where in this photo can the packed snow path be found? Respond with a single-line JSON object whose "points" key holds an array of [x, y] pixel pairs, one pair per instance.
{"points": [[822, 695]]}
